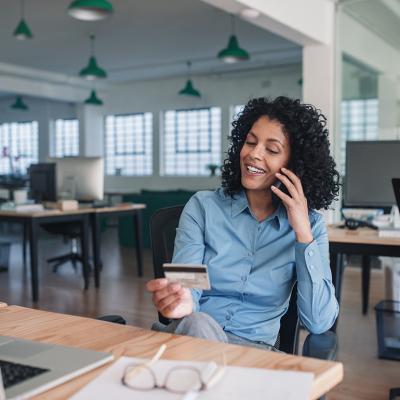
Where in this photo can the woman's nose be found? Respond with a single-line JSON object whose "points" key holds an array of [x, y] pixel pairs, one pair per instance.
{"points": [[256, 153]]}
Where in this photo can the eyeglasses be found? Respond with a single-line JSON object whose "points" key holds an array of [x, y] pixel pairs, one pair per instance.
{"points": [[178, 380]]}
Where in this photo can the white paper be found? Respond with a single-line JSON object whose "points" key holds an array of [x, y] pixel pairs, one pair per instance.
{"points": [[237, 383]]}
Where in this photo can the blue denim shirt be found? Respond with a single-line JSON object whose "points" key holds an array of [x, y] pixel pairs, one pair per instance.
{"points": [[254, 265]]}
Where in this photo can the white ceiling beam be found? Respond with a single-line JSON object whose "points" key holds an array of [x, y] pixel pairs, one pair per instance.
{"points": [[49, 85], [304, 22]]}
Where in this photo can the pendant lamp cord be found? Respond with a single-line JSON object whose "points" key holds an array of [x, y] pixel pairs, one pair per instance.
{"points": [[233, 27], [92, 39]]}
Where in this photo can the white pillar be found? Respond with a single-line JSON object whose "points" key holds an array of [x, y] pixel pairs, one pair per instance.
{"points": [[91, 130], [387, 103], [321, 88]]}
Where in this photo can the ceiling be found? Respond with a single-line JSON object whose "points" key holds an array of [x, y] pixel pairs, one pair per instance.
{"points": [[381, 16], [143, 39]]}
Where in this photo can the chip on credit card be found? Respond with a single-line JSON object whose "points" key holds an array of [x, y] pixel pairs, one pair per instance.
{"points": [[193, 276]]}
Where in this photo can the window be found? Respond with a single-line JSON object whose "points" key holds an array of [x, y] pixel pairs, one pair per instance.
{"points": [[65, 140], [191, 141], [236, 110], [128, 144], [19, 146], [359, 122]]}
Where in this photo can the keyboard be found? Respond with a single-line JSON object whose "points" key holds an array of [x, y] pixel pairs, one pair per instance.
{"points": [[14, 373]]}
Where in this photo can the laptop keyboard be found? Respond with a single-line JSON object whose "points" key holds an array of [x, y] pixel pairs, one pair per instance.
{"points": [[14, 373]]}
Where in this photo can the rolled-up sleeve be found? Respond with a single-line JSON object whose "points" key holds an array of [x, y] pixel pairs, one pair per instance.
{"points": [[316, 301], [189, 241]]}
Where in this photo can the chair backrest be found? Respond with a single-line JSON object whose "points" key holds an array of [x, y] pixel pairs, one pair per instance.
{"points": [[163, 224]]}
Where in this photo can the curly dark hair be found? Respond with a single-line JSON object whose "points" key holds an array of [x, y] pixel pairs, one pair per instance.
{"points": [[310, 159]]}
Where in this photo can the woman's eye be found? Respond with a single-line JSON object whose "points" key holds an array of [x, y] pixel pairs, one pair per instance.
{"points": [[273, 151], [250, 143]]}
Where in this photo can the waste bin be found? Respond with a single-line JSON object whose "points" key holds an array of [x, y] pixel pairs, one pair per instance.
{"points": [[391, 268], [388, 329]]}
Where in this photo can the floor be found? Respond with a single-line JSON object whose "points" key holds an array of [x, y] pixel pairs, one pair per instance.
{"points": [[122, 292]]}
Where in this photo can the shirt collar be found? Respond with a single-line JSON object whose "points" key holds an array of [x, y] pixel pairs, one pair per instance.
{"points": [[239, 204]]}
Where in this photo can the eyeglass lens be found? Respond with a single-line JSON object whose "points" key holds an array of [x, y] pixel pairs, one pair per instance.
{"points": [[182, 380], [178, 380]]}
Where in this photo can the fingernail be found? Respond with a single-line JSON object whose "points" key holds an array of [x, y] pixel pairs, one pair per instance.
{"points": [[283, 169], [273, 187], [278, 174]]}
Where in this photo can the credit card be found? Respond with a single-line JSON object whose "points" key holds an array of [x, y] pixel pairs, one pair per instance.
{"points": [[193, 276]]}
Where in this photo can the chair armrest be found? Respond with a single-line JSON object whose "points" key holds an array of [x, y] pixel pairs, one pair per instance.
{"points": [[323, 346], [116, 319]]}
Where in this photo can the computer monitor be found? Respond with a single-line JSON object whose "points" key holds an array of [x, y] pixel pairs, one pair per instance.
{"points": [[42, 179], [80, 178], [370, 167]]}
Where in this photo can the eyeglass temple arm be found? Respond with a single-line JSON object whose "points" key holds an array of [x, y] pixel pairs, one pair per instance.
{"points": [[218, 374], [156, 356], [147, 364], [215, 378]]}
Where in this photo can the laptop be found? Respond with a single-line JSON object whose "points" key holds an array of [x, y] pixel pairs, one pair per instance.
{"points": [[29, 368]]}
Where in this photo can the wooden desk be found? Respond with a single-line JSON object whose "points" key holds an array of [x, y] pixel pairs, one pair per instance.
{"points": [[88, 218], [363, 241], [32, 221], [133, 210], [128, 340]]}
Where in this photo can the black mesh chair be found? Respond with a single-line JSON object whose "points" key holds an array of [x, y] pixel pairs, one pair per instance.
{"points": [[163, 226]]}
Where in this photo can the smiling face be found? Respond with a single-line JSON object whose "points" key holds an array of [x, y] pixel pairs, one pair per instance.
{"points": [[265, 151]]}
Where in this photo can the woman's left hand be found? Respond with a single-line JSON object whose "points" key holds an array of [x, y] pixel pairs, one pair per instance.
{"points": [[296, 205]]}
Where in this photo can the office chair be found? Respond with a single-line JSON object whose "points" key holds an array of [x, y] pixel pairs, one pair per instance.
{"points": [[70, 231], [163, 226]]}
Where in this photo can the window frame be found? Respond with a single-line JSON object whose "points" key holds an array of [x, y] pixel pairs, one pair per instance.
{"points": [[145, 152], [198, 151], [34, 144], [54, 144]]}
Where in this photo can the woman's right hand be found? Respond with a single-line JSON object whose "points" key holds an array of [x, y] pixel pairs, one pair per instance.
{"points": [[171, 299]]}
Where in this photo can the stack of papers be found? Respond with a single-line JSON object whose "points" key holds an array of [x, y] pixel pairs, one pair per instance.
{"points": [[237, 383]]}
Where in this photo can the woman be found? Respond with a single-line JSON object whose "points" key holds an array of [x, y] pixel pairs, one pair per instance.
{"points": [[259, 233]]}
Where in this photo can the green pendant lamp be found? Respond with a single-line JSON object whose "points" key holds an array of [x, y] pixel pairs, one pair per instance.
{"points": [[233, 52], [92, 71], [93, 99], [189, 90], [22, 31], [90, 10], [19, 104]]}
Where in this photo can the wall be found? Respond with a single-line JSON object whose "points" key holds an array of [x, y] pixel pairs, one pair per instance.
{"points": [[217, 90], [39, 110], [363, 45], [156, 96]]}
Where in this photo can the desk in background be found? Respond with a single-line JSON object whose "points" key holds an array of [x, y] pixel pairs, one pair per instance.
{"points": [[134, 211], [32, 221], [365, 242], [88, 218], [50, 327]]}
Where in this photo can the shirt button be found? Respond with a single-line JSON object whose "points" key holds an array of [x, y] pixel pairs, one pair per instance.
{"points": [[244, 278], [310, 253], [228, 317], [311, 266]]}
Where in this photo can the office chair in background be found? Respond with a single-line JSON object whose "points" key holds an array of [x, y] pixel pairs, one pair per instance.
{"points": [[70, 232], [163, 226]]}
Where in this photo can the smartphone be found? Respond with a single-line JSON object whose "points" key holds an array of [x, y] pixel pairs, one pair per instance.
{"points": [[281, 186]]}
